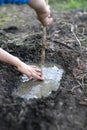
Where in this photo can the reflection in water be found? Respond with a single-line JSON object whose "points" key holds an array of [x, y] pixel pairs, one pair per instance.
{"points": [[37, 89]]}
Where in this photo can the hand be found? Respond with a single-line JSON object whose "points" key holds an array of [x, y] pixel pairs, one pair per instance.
{"points": [[45, 17], [42, 10], [30, 71]]}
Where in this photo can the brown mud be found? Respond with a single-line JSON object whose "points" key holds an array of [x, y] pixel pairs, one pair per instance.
{"points": [[21, 35]]}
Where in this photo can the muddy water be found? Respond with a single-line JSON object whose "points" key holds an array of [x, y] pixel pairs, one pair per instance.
{"points": [[36, 89]]}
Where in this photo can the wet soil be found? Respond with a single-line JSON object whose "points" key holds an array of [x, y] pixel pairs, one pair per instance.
{"points": [[21, 35]]}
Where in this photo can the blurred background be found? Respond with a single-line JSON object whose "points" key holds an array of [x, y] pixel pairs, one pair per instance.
{"points": [[68, 4]]}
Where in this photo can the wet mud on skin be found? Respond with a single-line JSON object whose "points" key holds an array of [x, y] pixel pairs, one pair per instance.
{"points": [[64, 109]]}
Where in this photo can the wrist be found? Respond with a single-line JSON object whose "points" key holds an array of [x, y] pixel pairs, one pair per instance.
{"points": [[39, 6], [17, 62]]}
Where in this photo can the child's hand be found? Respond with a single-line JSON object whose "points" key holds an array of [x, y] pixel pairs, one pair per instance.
{"points": [[30, 71], [42, 10], [45, 17]]}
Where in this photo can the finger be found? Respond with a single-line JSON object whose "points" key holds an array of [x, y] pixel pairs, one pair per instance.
{"points": [[34, 74], [38, 73], [38, 70], [38, 77], [33, 66], [30, 77]]}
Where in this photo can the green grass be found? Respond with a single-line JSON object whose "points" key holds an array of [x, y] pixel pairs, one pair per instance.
{"points": [[68, 4], [3, 20]]}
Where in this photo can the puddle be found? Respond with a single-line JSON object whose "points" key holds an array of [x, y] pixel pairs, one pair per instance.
{"points": [[36, 89]]}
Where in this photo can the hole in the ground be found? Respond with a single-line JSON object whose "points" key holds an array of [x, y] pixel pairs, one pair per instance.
{"points": [[36, 89]]}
